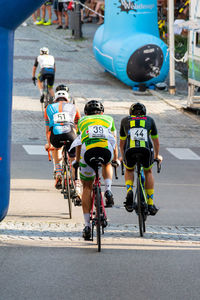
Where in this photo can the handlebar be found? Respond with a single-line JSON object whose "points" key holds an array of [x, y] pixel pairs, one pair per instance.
{"points": [[155, 160], [49, 154]]}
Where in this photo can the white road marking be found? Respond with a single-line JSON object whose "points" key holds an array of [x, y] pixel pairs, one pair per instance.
{"points": [[183, 153], [35, 149]]}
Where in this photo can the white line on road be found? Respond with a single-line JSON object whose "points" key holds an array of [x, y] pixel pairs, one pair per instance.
{"points": [[183, 153], [35, 149]]}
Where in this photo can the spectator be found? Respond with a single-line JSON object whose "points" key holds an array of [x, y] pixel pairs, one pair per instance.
{"points": [[36, 16], [62, 9], [55, 7], [46, 6]]}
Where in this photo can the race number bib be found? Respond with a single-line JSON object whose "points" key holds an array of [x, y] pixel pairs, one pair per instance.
{"points": [[98, 131], [61, 117], [138, 134]]}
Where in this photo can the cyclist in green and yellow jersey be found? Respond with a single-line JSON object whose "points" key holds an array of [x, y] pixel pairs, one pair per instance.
{"points": [[97, 136]]}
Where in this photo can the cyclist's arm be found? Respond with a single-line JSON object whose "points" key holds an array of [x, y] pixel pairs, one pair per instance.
{"points": [[35, 67], [122, 138], [121, 146], [48, 135], [34, 71], [78, 153], [156, 146], [77, 117]]}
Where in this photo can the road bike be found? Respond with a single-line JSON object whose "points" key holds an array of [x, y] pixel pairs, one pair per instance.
{"points": [[47, 97], [68, 184], [98, 215], [140, 199]]}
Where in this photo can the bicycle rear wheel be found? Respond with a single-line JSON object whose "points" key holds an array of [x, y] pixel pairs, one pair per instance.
{"points": [[98, 217], [140, 214]]}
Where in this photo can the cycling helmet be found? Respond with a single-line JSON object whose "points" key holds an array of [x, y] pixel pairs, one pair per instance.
{"points": [[60, 95], [137, 109], [93, 107], [44, 50], [62, 87]]}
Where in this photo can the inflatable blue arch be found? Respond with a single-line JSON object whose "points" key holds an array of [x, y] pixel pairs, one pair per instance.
{"points": [[12, 14], [128, 44]]}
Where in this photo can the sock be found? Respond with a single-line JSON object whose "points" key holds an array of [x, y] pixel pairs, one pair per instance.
{"points": [[41, 92], [129, 185], [87, 219], [108, 183], [149, 194], [58, 169]]}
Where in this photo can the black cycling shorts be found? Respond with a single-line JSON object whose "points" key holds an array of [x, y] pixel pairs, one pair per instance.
{"points": [[49, 74], [98, 153], [144, 155], [57, 140], [48, 2]]}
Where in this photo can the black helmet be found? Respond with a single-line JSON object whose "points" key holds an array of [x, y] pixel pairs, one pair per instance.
{"points": [[137, 109], [93, 107], [62, 87]]}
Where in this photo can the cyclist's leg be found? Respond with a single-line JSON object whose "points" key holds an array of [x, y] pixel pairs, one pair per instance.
{"points": [[129, 179], [40, 80], [107, 173], [50, 82], [149, 190], [55, 141]]}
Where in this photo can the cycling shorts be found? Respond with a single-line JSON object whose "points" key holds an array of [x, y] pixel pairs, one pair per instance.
{"points": [[48, 2], [57, 140], [63, 6], [49, 74], [87, 172], [146, 157], [55, 5]]}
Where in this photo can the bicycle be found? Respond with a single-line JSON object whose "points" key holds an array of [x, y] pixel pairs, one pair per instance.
{"points": [[68, 186], [140, 199], [98, 215], [47, 97]]}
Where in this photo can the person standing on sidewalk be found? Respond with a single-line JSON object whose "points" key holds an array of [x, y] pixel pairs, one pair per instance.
{"points": [[62, 9], [46, 6]]}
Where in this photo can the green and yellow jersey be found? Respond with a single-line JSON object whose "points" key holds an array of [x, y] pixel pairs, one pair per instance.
{"points": [[96, 130]]}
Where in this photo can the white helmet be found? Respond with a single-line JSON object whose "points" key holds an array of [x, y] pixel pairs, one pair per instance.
{"points": [[44, 50], [62, 94]]}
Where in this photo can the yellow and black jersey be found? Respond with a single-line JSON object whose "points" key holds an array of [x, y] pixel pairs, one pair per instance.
{"points": [[138, 131]]}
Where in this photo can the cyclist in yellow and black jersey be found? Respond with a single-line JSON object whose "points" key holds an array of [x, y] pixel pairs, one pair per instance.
{"points": [[138, 134]]}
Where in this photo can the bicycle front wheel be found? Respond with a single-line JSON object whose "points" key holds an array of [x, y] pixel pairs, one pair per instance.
{"points": [[140, 215], [98, 217]]}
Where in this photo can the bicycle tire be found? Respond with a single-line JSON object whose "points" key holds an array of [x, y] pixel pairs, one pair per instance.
{"points": [[140, 215], [98, 217], [63, 179], [68, 193]]}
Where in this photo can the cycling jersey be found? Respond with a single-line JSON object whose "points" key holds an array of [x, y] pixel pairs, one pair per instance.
{"points": [[138, 131], [61, 116], [45, 61], [97, 131]]}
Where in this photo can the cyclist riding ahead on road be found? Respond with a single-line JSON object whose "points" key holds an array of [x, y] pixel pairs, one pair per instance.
{"points": [[137, 132], [97, 137], [61, 119], [47, 70]]}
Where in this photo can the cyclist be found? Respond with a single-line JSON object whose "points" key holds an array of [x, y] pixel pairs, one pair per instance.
{"points": [[61, 119], [47, 70], [63, 87], [97, 137], [137, 132]]}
